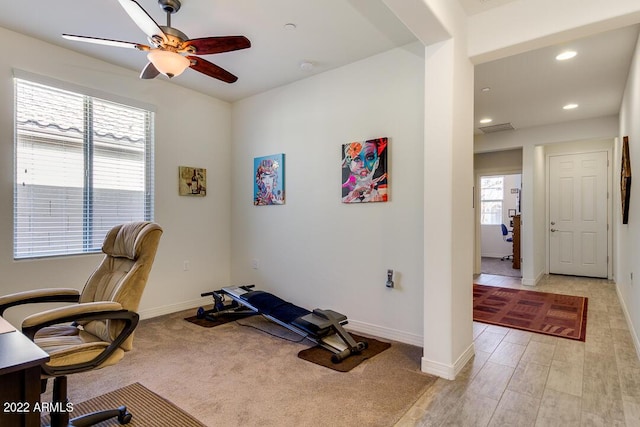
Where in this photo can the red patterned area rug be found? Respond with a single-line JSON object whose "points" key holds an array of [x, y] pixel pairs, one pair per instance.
{"points": [[551, 314]]}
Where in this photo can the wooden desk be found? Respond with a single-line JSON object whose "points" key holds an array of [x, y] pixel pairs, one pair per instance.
{"points": [[20, 361]]}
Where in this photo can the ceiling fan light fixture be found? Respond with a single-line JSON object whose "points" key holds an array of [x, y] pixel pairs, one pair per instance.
{"points": [[169, 63]]}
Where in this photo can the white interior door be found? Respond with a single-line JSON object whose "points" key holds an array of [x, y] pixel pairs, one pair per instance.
{"points": [[578, 214]]}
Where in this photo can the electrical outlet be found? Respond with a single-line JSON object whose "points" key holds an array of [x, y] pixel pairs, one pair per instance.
{"points": [[185, 266], [389, 283], [255, 264]]}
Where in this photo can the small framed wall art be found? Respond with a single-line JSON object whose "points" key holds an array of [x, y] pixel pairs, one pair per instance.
{"points": [[364, 171], [192, 181], [268, 185]]}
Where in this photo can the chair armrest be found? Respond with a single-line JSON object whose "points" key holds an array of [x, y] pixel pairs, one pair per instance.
{"points": [[39, 295], [67, 314], [101, 310]]}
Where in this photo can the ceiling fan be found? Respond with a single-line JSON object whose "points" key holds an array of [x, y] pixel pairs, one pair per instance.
{"points": [[171, 51]]}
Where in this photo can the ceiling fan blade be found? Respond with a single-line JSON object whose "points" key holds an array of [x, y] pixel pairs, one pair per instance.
{"points": [[106, 42], [142, 19], [211, 70], [149, 71], [211, 45]]}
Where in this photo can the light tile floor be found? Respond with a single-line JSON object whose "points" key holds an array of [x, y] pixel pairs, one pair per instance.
{"points": [[519, 378]]}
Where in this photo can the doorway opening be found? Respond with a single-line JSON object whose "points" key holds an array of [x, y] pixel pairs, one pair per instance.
{"points": [[499, 224]]}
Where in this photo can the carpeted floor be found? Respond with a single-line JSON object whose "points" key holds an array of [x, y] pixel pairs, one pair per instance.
{"points": [[498, 267], [542, 312], [234, 375]]}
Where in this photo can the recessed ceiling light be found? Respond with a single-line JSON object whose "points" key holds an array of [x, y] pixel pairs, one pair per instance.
{"points": [[290, 27], [570, 106], [568, 54], [485, 121], [306, 66]]}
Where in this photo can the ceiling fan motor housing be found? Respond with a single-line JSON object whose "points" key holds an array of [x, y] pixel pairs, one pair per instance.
{"points": [[175, 38], [170, 6]]}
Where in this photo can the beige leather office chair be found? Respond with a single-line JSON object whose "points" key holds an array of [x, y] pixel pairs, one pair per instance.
{"points": [[98, 330]]}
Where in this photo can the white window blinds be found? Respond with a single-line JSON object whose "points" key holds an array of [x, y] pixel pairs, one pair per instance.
{"points": [[82, 165], [491, 198]]}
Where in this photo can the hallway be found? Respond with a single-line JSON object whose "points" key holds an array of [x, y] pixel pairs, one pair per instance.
{"points": [[519, 378]]}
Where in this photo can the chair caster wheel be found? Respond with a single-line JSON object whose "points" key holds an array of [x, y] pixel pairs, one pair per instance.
{"points": [[124, 417]]}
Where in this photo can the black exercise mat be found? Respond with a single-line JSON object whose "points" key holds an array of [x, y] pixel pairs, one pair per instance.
{"points": [[217, 321], [321, 356]]}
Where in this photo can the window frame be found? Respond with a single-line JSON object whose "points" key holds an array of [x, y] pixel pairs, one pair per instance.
{"points": [[89, 244], [499, 201]]}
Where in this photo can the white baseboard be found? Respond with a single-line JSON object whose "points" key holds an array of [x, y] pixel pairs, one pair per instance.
{"points": [[534, 282], [382, 332], [464, 359], [448, 372], [438, 369], [627, 317], [172, 308]]}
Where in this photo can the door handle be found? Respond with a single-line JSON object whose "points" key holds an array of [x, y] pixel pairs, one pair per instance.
{"points": [[553, 230]]}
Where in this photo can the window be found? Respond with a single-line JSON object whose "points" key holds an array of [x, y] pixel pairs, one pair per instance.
{"points": [[491, 198], [82, 165]]}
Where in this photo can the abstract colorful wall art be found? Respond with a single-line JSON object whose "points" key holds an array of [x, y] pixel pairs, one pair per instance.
{"points": [[268, 186], [364, 171], [192, 181]]}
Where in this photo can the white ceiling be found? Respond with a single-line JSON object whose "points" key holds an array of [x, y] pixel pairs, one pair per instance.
{"points": [[531, 88], [527, 89], [329, 33]]}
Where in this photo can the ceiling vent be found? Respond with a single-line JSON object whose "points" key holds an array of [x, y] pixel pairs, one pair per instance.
{"points": [[496, 128]]}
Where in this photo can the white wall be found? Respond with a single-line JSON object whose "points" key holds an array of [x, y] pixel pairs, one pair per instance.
{"points": [[627, 236], [537, 233], [191, 130], [448, 260], [315, 251], [532, 250]]}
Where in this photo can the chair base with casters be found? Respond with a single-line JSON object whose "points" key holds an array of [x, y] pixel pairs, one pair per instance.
{"points": [[61, 418]]}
